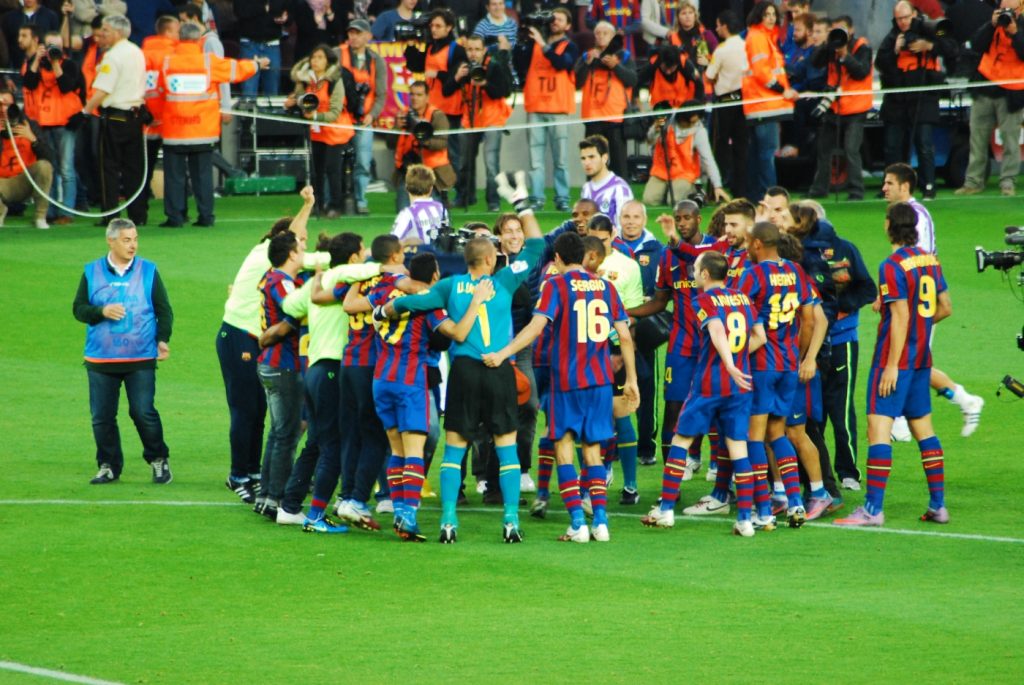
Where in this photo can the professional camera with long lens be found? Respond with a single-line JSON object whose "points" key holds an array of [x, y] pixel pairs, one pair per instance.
{"points": [[698, 196], [837, 38], [540, 20], [1004, 18], [54, 54], [926, 28], [357, 100], [1006, 259], [477, 72], [824, 104], [421, 129], [418, 29], [614, 47]]}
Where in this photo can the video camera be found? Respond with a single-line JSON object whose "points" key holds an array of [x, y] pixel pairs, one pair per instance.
{"points": [[421, 129], [539, 19], [925, 28], [416, 30], [1006, 259], [451, 240]]}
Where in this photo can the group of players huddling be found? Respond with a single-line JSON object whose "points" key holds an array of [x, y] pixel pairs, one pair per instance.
{"points": [[746, 330]]}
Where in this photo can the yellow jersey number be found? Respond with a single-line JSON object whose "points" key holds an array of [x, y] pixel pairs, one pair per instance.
{"points": [[736, 331], [783, 309], [926, 297], [592, 323]]}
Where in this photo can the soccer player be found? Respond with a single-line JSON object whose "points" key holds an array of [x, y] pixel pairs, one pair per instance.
{"points": [[582, 309], [898, 186], [720, 393], [419, 223], [781, 292], [477, 395], [914, 298], [603, 186], [400, 387]]}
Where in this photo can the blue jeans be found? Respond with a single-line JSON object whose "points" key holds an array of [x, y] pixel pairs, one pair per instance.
{"points": [[539, 138], [104, 393], [322, 453], [65, 183], [764, 141], [266, 81], [363, 143], [363, 442], [247, 403], [284, 400]]}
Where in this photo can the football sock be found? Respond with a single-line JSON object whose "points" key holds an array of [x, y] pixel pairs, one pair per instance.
{"points": [[879, 465], [509, 480], [723, 478], [396, 465], [626, 444], [933, 463], [818, 489], [744, 487], [717, 444], [412, 486], [451, 479], [316, 509], [569, 488], [668, 426], [759, 464], [672, 476], [597, 484], [694, 451], [785, 457], [545, 465]]}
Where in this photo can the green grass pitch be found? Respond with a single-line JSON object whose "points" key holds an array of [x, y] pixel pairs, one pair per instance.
{"points": [[119, 583]]}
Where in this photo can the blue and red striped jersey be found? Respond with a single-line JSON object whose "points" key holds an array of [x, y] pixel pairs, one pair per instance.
{"points": [[274, 287], [736, 312], [622, 14], [542, 345], [778, 289], [404, 352], [913, 275], [739, 262], [363, 345], [582, 308], [676, 275]]}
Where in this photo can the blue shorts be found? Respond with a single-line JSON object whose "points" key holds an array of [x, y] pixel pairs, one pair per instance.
{"points": [[587, 413], [678, 377], [773, 392], [730, 414], [912, 396], [806, 403], [405, 407]]}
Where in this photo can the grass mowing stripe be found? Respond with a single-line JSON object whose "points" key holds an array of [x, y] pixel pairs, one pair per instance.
{"points": [[55, 675], [482, 510]]}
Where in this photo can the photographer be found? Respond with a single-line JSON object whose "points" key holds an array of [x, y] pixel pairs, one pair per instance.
{"points": [[1001, 44], [52, 84], [320, 97], [371, 76], [442, 56], [848, 59], [606, 75], [913, 54], [682, 154], [670, 77], [419, 145], [35, 155], [484, 82], [544, 62]]}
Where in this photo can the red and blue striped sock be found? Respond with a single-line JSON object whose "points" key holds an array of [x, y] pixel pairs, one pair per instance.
{"points": [[672, 476], [545, 465], [744, 476], [879, 465], [717, 443], [316, 509], [569, 488], [723, 478], [597, 484], [396, 478], [759, 465], [412, 476], [934, 463], [785, 458]]}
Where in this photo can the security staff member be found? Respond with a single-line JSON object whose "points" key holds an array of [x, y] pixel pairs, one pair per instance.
{"points": [[607, 79], [155, 48], [119, 91], [849, 70], [123, 300], [910, 57], [190, 82], [432, 151], [370, 71], [1001, 43]]}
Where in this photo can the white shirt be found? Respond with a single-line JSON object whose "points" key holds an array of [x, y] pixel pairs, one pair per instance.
{"points": [[122, 75], [609, 194], [925, 227], [728, 64], [419, 220]]}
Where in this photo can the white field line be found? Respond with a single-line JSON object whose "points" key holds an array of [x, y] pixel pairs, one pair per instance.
{"points": [[473, 510], [54, 675]]}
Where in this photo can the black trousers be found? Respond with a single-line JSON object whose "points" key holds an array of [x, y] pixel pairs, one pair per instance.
{"points": [[848, 135], [616, 145], [730, 146], [838, 383], [647, 430], [327, 170], [247, 403], [121, 168]]}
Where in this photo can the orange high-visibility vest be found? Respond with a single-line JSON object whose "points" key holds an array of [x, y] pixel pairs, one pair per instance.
{"points": [[674, 92], [9, 164], [439, 62], [367, 76], [850, 104], [155, 48], [1000, 62], [89, 63], [328, 134], [190, 81], [604, 95], [908, 61], [547, 90], [684, 160], [767, 65], [406, 143], [488, 111]]}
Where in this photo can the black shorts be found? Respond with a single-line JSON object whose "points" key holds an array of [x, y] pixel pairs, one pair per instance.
{"points": [[481, 401], [620, 375]]}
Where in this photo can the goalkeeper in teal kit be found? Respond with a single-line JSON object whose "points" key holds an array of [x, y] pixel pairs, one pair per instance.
{"points": [[481, 400]]}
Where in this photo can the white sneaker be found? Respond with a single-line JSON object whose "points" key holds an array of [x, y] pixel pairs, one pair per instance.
{"points": [[850, 484], [765, 523], [657, 518], [707, 506], [481, 487], [385, 506], [712, 473], [526, 483], [588, 508], [343, 509], [41, 224], [900, 430], [286, 519], [744, 529], [581, 534], [692, 467], [600, 533], [971, 409]]}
